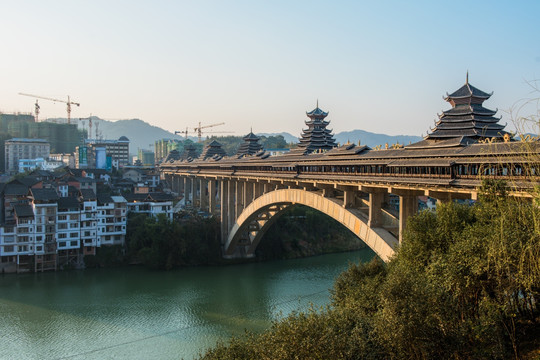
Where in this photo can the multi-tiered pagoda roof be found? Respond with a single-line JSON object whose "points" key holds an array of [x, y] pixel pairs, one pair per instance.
{"points": [[250, 146], [316, 137], [172, 156], [212, 149], [190, 152], [467, 117]]}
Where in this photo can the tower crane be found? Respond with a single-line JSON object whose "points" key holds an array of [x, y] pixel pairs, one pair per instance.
{"points": [[199, 128], [182, 132], [68, 102], [89, 125]]}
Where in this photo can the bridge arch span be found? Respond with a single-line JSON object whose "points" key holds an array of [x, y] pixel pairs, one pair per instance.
{"points": [[257, 217]]}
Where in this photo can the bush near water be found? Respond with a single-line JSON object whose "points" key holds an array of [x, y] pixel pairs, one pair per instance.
{"points": [[465, 284]]}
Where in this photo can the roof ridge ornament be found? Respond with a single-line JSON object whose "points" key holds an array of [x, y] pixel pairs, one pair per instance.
{"points": [[467, 77]]}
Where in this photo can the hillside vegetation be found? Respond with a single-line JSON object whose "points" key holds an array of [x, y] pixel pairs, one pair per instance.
{"points": [[465, 284]]}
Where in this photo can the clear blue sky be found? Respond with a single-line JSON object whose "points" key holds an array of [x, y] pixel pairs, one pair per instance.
{"points": [[381, 66]]}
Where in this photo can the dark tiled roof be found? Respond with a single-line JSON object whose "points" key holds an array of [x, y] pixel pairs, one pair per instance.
{"points": [[44, 194], [29, 180], [317, 112], [189, 152], [104, 199], [135, 197], [172, 156], [15, 189], [251, 137], [23, 211], [212, 149], [468, 90], [316, 137], [68, 203], [159, 196], [76, 172], [88, 194], [467, 118]]}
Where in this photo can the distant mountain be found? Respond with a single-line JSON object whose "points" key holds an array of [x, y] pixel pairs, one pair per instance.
{"points": [[143, 135], [366, 138], [372, 139], [288, 137]]}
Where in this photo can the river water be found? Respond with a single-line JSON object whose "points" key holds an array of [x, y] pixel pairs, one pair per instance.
{"points": [[135, 313]]}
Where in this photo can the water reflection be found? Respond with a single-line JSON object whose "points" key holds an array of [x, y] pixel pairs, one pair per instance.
{"points": [[133, 313]]}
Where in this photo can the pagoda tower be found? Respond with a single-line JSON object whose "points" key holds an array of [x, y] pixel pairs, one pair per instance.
{"points": [[250, 146], [316, 137], [212, 149], [172, 156], [467, 117], [189, 152]]}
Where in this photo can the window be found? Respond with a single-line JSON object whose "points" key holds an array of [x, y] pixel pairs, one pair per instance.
{"points": [[62, 217], [62, 244], [62, 235], [74, 225], [9, 248], [73, 234], [74, 243]]}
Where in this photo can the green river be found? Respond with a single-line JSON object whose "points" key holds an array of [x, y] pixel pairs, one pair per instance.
{"points": [[134, 313]]}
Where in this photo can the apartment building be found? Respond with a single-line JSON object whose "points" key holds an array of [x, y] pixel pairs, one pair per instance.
{"points": [[20, 148], [25, 240], [45, 206], [151, 204], [111, 220], [88, 222]]}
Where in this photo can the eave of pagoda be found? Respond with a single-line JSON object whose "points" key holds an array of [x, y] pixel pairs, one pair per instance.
{"points": [[470, 125], [467, 109], [465, 118]]}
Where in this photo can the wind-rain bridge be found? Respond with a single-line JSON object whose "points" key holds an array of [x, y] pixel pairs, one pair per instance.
{"points": [[354, 184]]}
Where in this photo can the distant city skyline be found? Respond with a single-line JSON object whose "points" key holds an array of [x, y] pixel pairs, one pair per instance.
{"points": [[380, 67]]}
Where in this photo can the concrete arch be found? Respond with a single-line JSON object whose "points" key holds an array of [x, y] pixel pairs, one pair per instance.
{"points": [[258, 216]]}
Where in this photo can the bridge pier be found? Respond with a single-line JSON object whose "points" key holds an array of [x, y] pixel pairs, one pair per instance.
{"points": [[408, 206], [212, 196], [224, 210], [376, 199], [231, 205], [203, 194]]}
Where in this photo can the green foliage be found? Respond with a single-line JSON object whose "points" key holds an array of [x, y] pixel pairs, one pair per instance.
{"points": [[162, 244], [106, 256], [464, 284], [274, 142], [302, 231]]}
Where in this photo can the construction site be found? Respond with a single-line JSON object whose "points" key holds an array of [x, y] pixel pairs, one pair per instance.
{"points": [[63, 138]]}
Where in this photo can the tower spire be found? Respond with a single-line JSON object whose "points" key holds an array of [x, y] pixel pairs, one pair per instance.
{"points": [[467, 77], [317, 103]]}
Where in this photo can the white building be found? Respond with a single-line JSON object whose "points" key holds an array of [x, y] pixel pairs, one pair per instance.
{"points": [[20, 148], [89, 220], [25, 238], [44, 203], [152, 204], [39, 163], [111, 220], [68, 232]]}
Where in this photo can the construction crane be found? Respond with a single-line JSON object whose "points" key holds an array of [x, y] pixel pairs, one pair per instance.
{"points": [[199, 128], [89, 125], [68, 102], [182, 132]]}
